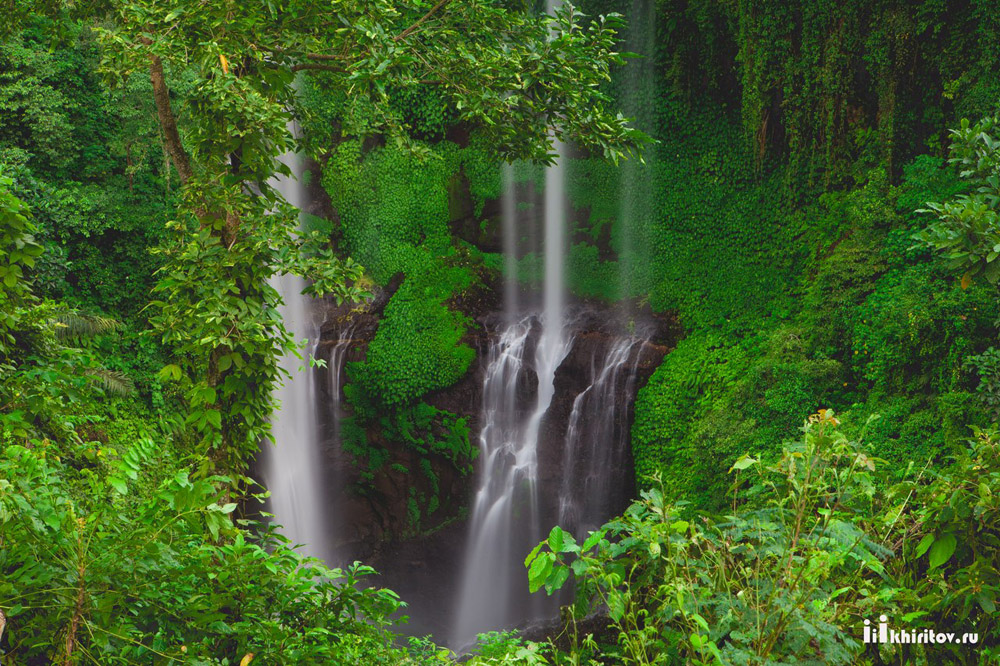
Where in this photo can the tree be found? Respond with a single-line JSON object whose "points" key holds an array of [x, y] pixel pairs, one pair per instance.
{"points": [[223, 78], [967, 228]]}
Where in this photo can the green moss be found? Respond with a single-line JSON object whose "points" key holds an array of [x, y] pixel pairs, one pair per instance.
{"points": [[418, 346], [881, 330], [395, 219]]}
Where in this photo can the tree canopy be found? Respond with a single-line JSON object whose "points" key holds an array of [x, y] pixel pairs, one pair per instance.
{"points": [[224, 82]]}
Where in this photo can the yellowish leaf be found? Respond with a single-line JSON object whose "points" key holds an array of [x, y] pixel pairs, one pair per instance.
{"points": [[225, 68], [247, 658], [966, 281]]}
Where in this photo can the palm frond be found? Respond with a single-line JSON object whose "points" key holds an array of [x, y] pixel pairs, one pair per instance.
{"points": [[112, 381], [73, 325]]}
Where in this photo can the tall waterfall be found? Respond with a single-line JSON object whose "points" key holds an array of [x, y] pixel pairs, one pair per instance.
{"points": [[636, 194], [293, 470], [505, 519], [505, 488], [508, 212], [293, 467]]}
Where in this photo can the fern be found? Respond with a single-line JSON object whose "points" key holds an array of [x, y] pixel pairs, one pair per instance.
{"points": [[72, 325], [112, 381]]}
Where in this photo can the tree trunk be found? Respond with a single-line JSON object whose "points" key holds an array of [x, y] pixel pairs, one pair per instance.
{"points": [[171, 137]]}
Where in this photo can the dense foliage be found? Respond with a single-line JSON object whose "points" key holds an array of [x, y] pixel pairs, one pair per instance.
{"points": [[824, 238], [809, 549]]}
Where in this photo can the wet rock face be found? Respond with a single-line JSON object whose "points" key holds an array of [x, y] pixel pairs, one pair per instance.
{"points": [[577, 373], [377, 511]]}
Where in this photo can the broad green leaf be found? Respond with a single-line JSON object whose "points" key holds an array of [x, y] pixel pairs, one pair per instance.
{"points": [[118, 484], [924, 544], [942, 550], [540, 570], [556, 539], [744, 461]]}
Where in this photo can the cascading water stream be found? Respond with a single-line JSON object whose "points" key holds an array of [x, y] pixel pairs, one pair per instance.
{"points": [[335, 554], [293, 468], [597, 439], [505, 513], [508, 220], [335, 370], [505, 520]]}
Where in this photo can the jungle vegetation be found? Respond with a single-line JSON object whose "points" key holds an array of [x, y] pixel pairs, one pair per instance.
{"points": [[820, 448]]}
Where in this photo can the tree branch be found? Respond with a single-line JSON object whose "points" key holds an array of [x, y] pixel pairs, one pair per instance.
{"points": [[406, 33], [171, 137], [321, 56], [316, 65]]}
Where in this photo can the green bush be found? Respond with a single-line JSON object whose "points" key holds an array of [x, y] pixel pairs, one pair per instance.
{"points": [[808, 550], [418, 346]]}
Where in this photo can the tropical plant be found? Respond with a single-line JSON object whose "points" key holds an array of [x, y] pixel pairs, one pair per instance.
{"points": [[967, 229], [766, 583]]}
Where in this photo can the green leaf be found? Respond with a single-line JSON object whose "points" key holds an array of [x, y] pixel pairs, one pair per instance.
{"points": [[924, 544], [558, 579], [534, 552], [616, 605], [745, 461], [540, 570], [592, 540], [118, 484], [556, 539], [942, 550], [169, 372], [702, 622]]}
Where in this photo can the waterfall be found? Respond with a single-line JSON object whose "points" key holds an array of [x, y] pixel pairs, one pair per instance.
{"points": [[505, 515], [597, 440], [335, 370], [293, 467], [636, 210], [505, 519], [486, 585], [508, 220], [335, 554]]}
